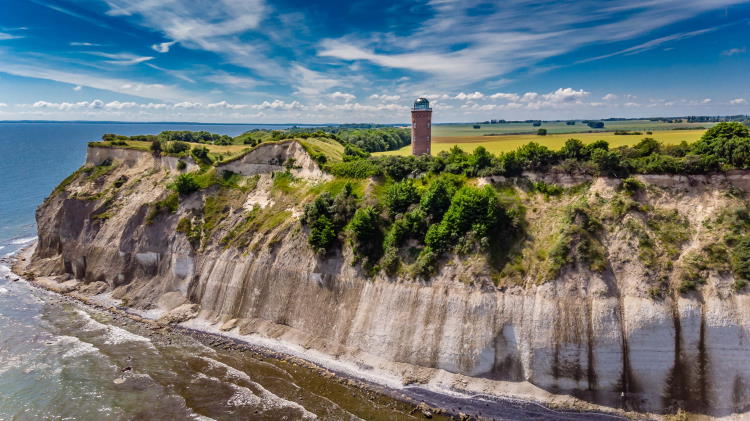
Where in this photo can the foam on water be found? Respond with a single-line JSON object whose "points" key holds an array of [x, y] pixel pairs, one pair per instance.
{"points": [[22, 240], [3, 291], [75, 347], [269, 399], [114, 335]]}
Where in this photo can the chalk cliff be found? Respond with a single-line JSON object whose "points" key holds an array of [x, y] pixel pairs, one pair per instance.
{"points": [[238, 259]]}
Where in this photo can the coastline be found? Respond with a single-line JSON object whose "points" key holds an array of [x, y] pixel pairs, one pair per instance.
{"points": [[430, 401]]}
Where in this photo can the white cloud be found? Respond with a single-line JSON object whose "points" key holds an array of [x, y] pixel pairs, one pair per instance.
{"points": [[66, 106], [117, 105], [738, 101], [706, 101], [187, 105], [163, 47], [472, 96], [5, 36], [609, 97], [77, 88], [513, 37], [2, 104], [385, 98], [121, 58], [310, 82], [226, 105], [347, 97], [505, 96], [84, 44], [154, 106], [224, 78], [733, 51]]}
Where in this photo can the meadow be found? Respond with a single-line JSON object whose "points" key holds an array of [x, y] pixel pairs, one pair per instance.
{"points": [[509, 142], [451, 130]]}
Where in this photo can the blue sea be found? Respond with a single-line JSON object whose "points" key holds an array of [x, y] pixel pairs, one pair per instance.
{"points": [[35, 157]]}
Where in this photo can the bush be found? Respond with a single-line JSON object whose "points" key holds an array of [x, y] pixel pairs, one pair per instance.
{"points": [[366, 237], [631, 185], [186, 184], [361, 168], [177, 147], [472, 209], [155, 146], [322, 234], [181, 165], [327, 217], [399, 196], [437, 199], [200, 153], [541, 132]]}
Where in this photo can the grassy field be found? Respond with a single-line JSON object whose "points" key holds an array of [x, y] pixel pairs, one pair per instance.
{"points": [[451, 130], [505, 143]]}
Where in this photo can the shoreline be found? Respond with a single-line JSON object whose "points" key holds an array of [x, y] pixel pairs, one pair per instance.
{"points": [[429, 401]]}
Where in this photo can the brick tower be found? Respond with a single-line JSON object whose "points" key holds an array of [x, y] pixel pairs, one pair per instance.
{"points": [[421, 127]]}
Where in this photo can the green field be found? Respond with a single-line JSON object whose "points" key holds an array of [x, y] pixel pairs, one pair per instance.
{"points": [[451, 130], [506, 143]]}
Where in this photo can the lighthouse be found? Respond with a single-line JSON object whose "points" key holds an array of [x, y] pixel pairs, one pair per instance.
{"points": [[421, 127]]}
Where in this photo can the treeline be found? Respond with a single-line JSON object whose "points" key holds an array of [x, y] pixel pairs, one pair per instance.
{"points": [[369, 139], [725, 146], [173, 136]]}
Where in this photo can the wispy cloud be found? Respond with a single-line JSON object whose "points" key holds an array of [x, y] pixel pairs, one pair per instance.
{"points": [[514, 36], [5, 36], [84, 44], [733, 51], [124, 59], [163, 47]]}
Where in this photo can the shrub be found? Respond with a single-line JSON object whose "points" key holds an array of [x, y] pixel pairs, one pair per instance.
{"points": [[181, 165], [177, 147], [437, 199], [361, 168], [399, 196], [321, 233], [155, 146], [547, 189], [167, 205], [740, 258], [631, 185], [186, 184], [471, 209], [366, 237], [200, 153], [541, 132]]}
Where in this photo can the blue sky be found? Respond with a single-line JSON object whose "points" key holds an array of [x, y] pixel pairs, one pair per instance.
{"points": [[257, 61]]}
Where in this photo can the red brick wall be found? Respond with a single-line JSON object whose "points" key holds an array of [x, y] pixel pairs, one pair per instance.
{"points": [[421, 132]]}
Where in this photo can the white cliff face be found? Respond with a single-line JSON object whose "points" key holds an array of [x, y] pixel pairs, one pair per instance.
{"points": [[597, 336]]}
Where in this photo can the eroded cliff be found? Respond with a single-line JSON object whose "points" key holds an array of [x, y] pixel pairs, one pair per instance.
{"points": [[652, 322]]}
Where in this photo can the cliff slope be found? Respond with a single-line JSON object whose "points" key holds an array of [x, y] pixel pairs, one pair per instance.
{"points": [[640, 310]]}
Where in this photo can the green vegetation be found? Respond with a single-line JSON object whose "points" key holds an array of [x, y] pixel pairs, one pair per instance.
{"points": [[167, 205]]}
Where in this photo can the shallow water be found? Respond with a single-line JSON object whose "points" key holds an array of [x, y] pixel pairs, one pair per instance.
{"points": [[63, 360]]}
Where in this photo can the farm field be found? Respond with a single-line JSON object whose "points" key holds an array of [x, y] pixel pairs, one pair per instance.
{"points": [[506, 143], [449, 130]]}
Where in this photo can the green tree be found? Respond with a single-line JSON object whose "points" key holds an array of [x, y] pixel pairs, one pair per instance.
{"points": [[186, 184], [399, 196]]}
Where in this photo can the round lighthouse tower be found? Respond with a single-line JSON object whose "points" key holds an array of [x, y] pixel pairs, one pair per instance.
{"points": [[421, 127]]}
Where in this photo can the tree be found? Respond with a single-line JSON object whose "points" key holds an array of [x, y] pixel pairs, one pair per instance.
{"points": [[399, 196], [541, 132], [155, 146], [186, 184]]}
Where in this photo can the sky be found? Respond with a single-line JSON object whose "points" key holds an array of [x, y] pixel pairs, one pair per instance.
{"points": [[290, 61]]}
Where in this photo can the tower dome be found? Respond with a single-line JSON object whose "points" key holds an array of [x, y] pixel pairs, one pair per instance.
{"points": [[421, 104]]}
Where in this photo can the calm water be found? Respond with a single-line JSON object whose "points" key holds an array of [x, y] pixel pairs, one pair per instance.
{"points": [[62, 360]]}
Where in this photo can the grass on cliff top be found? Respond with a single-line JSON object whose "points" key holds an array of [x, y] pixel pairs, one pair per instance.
{"points": [[227, 153], [507, 143]]}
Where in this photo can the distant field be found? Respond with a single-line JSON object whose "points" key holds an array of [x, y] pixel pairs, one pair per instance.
{"points": [[505, 143], [450, 130]]}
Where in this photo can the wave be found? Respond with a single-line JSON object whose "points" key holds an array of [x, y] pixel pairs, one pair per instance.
{"points": [[267, 399], [114, 335], [75, 347], [23, 240]]}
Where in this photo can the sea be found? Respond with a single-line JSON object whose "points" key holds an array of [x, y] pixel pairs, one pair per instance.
{"points": [[63, 360]]}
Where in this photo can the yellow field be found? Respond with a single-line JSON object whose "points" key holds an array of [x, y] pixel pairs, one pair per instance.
{"points": [[506, 143]]}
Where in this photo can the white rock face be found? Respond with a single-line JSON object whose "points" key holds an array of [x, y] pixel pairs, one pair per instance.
{"points": [[599, 337]]}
